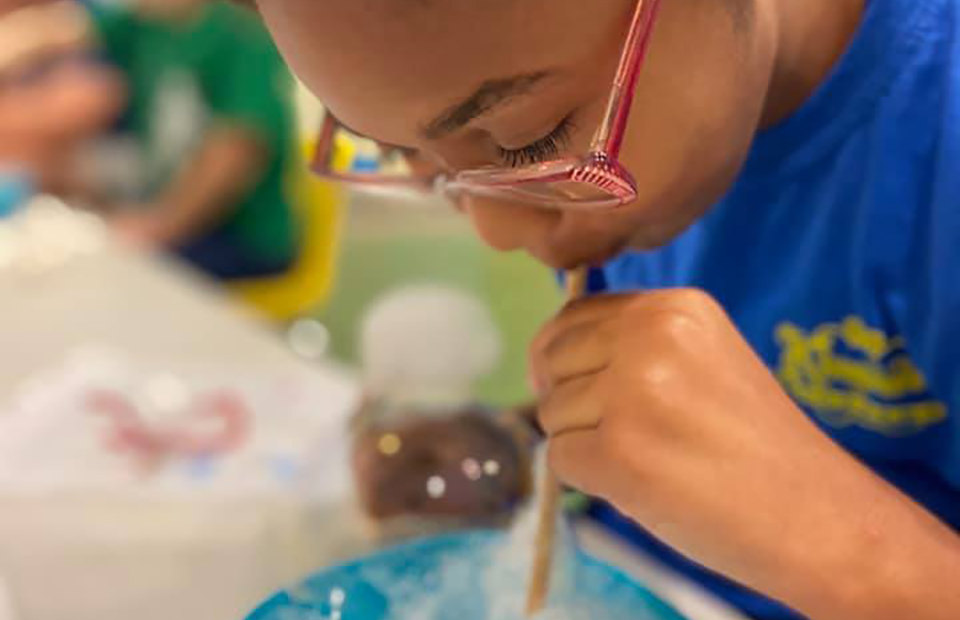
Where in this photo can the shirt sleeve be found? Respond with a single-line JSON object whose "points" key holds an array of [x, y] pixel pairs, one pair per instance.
{"points": [[251, 85], [113, 27]]}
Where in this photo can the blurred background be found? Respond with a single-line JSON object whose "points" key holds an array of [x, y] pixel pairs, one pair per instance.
{"points": [[191, 326], [123, 108]]}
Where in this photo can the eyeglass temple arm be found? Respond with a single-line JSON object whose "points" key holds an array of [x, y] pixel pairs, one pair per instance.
{"points": [[323, 149], [609, 137]]}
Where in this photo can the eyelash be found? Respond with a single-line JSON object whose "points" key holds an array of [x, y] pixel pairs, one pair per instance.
{"points": [[543, 149]]}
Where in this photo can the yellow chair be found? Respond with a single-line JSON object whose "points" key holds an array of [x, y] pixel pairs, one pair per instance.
{"points": [[306, 286]]}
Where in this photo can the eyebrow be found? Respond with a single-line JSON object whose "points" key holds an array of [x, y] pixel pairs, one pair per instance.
{"points": [[488, 96]]}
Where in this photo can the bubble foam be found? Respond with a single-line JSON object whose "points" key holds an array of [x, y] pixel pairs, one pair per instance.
{"points": [[468, 576]]}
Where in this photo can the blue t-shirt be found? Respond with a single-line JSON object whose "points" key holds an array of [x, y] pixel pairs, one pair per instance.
{"points": [[837, 253]]}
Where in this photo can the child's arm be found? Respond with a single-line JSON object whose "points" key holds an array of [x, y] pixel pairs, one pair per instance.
{"points": [[655, 402], [207, 188]]}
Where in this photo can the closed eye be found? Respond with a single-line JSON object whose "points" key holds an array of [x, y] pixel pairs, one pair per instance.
{"points": [[544, 149]]}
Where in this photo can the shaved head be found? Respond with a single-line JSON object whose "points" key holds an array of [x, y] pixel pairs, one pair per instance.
{"points": [[471, 83]]}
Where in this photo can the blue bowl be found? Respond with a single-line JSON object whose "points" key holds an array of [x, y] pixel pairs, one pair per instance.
{"points": [[357, 591]]}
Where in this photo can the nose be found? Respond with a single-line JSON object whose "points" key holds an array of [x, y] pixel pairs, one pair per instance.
{"points": [[508, 226]]}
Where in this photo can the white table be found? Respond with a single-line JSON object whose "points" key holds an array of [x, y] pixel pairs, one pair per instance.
{"points": [[113, 557], [160, 559]]}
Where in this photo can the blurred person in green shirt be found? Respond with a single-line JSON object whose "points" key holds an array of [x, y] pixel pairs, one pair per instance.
{"points": [[210, 111]]}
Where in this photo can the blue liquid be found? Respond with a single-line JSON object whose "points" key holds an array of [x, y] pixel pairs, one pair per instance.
{"points": [[456, 577]]}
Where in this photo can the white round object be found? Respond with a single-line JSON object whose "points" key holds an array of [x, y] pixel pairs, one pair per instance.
{"points": [[428, 344]]}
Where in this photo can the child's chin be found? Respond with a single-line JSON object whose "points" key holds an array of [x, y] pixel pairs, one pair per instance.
{"points": [[655, 237], [572, 254]]}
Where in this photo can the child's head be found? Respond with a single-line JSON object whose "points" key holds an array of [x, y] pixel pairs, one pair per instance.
{"points": [[386, 68]]}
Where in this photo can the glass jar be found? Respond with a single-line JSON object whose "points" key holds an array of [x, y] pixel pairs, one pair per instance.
{"points": [[423, 469]]}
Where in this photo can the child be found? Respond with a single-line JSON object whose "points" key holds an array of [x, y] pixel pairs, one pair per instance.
{"points": [[52, 97], [794, 217], [209, 108]]}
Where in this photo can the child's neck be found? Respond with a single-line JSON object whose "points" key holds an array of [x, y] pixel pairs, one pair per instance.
{"points": [[811, 36]]}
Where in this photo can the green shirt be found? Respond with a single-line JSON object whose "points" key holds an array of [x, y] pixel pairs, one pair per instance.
{"points": [[219, 66]]}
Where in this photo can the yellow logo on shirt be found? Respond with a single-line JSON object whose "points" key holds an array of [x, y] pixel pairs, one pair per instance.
{"points": [[850, 374]]}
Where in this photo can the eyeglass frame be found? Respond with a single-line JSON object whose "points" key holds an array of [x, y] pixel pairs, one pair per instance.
{"points": [[600, 168]]}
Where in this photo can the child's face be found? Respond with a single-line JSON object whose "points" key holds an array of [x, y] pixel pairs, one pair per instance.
{"points": [[386, 68]]}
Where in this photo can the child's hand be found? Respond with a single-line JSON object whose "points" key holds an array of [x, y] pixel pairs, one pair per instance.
{"points": [[656, 403], [142, 228]]}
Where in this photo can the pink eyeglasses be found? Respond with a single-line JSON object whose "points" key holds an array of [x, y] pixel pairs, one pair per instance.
{"points": [[597, 180]]}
